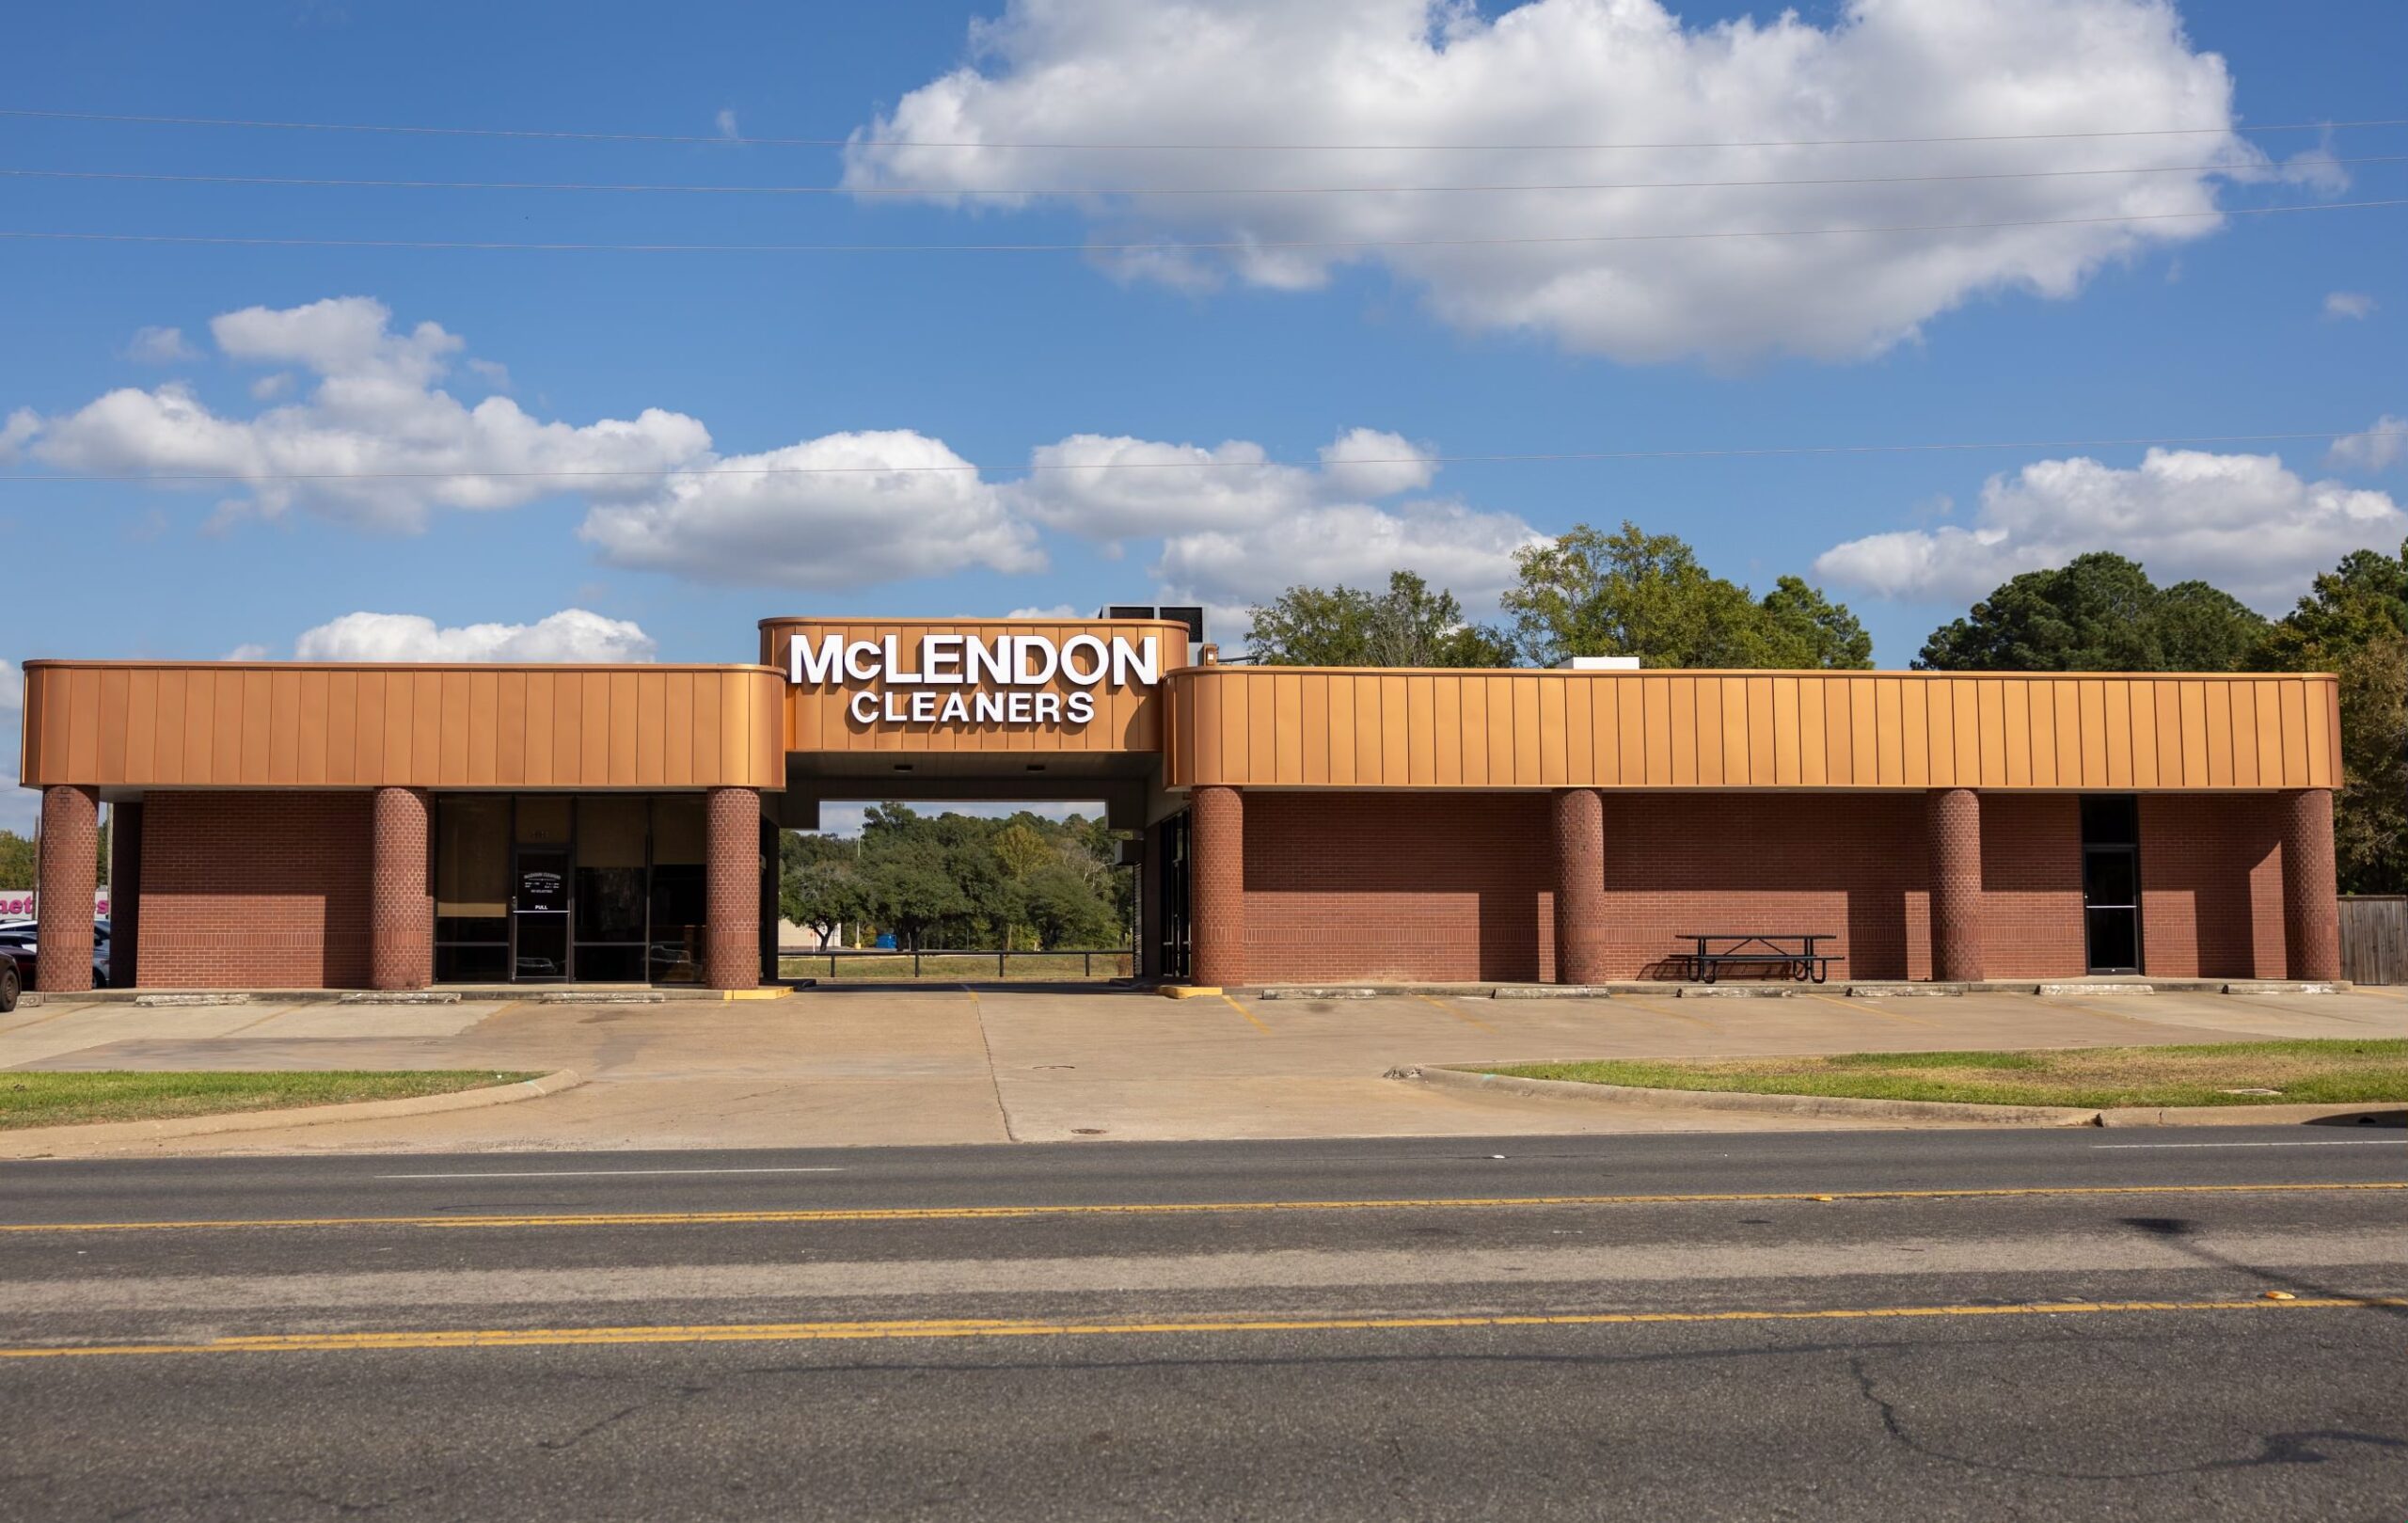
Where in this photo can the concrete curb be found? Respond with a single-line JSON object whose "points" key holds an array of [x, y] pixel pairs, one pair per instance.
{"points": [[1786, 989], [481, 993], [1724, 1099], [37, 1141], [2376, 1114]]}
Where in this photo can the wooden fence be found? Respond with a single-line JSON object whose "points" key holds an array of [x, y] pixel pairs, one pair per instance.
{"points": [[2374, 938]]}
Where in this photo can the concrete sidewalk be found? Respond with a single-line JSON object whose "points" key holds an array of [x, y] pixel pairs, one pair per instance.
{"points": [[953, 1063]]}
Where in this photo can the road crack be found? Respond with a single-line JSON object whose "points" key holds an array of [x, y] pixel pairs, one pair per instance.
{"points": [[2290, 1447]]}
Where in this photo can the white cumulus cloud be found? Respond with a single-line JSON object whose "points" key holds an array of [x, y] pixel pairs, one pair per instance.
{"points": [[1463, 549], [2376, 449], [18, 427], [2244, 522], [378, 443], [160, 347], [1118, 487], [570, 635], [829, 512], [1550, 72], [2349, 304]]}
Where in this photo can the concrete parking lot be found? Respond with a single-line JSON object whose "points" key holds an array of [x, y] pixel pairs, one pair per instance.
{"points": [[954, 1063]]}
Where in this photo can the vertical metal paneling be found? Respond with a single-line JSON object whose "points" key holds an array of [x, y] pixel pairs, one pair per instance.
{"points": [[510, 725], [2218, 698], [115, 684], [2124, 731], [452, 741], [310, 768], [426, 737]]}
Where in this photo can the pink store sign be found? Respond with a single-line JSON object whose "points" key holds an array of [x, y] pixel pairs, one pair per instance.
{"points": [[18, 904]]}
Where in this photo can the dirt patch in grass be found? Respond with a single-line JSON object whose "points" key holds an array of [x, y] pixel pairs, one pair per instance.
{"points": [[68, 1099], [2220, 1073]]}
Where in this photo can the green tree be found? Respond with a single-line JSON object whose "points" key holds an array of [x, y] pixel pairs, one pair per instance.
{"points": [[1630, 593], [1808, 629], [18, 859], [1061, 905], [1409, 625], [1020, 849], [961, 880], [2354, 621], [2097, 612], [819, 883]]}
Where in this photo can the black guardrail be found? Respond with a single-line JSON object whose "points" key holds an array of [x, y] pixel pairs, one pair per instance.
{"points": [[1001, 956]]}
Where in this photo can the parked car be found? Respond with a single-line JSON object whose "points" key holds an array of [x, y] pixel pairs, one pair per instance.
{"points": [[20, 943], [10, 982]]}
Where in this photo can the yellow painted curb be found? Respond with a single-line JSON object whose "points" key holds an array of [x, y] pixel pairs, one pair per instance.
{"points": [[779, 993], [1189, 991]]}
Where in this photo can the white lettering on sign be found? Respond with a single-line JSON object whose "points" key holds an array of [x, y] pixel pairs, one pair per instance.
{"points": [[874, 668]]}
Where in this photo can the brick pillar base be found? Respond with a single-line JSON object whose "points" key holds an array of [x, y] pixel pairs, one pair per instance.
{"points": [[1579, 886], [69, 869], [1954, 818], [1216, 887], [400, 911], [2311, 910], [732, 951]]}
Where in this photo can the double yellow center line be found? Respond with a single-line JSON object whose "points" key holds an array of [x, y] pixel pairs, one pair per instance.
{"points": [[1233, 1208], [791, 1332]]}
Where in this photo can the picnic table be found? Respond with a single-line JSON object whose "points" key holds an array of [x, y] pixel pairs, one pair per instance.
{"points": [[1791, 952]]}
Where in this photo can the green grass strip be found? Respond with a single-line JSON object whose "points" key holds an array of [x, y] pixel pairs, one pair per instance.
{"points": [[2221, 1073], [68, 1099]]}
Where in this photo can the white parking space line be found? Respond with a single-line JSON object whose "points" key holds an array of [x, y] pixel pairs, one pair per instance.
{"points": [[602, 1173]]}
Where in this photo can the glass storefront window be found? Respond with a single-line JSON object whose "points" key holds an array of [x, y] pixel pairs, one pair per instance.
{"points": [[544, 819], [611, 832], [607, 888], [680, 904], [471, 888]]}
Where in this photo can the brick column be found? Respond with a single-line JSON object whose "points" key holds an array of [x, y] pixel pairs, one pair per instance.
{"points": [[1216, 887], [69, 868], [1954, 818], [1579, 886], [400, 911], [732, 875], [2311, 910]]}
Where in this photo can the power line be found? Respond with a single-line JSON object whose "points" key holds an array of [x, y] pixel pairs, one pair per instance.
{"points": [[1168, 147], [1215, 245], [1579, 456], [1136, 191]]}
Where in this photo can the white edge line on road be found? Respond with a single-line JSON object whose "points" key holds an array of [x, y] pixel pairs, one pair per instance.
{"points": [[2337, 1142], [602, 1173]]}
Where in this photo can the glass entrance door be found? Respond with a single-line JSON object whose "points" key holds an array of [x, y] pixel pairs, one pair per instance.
{"points": [[2110, 881], [539, 915], [2110, 906]]}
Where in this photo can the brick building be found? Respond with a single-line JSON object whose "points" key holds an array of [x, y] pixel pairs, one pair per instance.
{"points": [[349, 826]]}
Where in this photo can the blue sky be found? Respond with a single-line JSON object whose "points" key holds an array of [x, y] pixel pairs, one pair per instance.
{"points": [[754, 364]]}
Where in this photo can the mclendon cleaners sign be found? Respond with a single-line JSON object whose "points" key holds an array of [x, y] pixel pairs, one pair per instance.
{"points": [[1012, 680]]}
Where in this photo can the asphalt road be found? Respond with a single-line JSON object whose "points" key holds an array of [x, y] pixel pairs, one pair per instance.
{"points": [[2186, 1323]]}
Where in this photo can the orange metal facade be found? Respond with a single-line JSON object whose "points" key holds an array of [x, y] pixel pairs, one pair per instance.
{"points": [[1292, 727], [220, 725], [223, 724]]}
